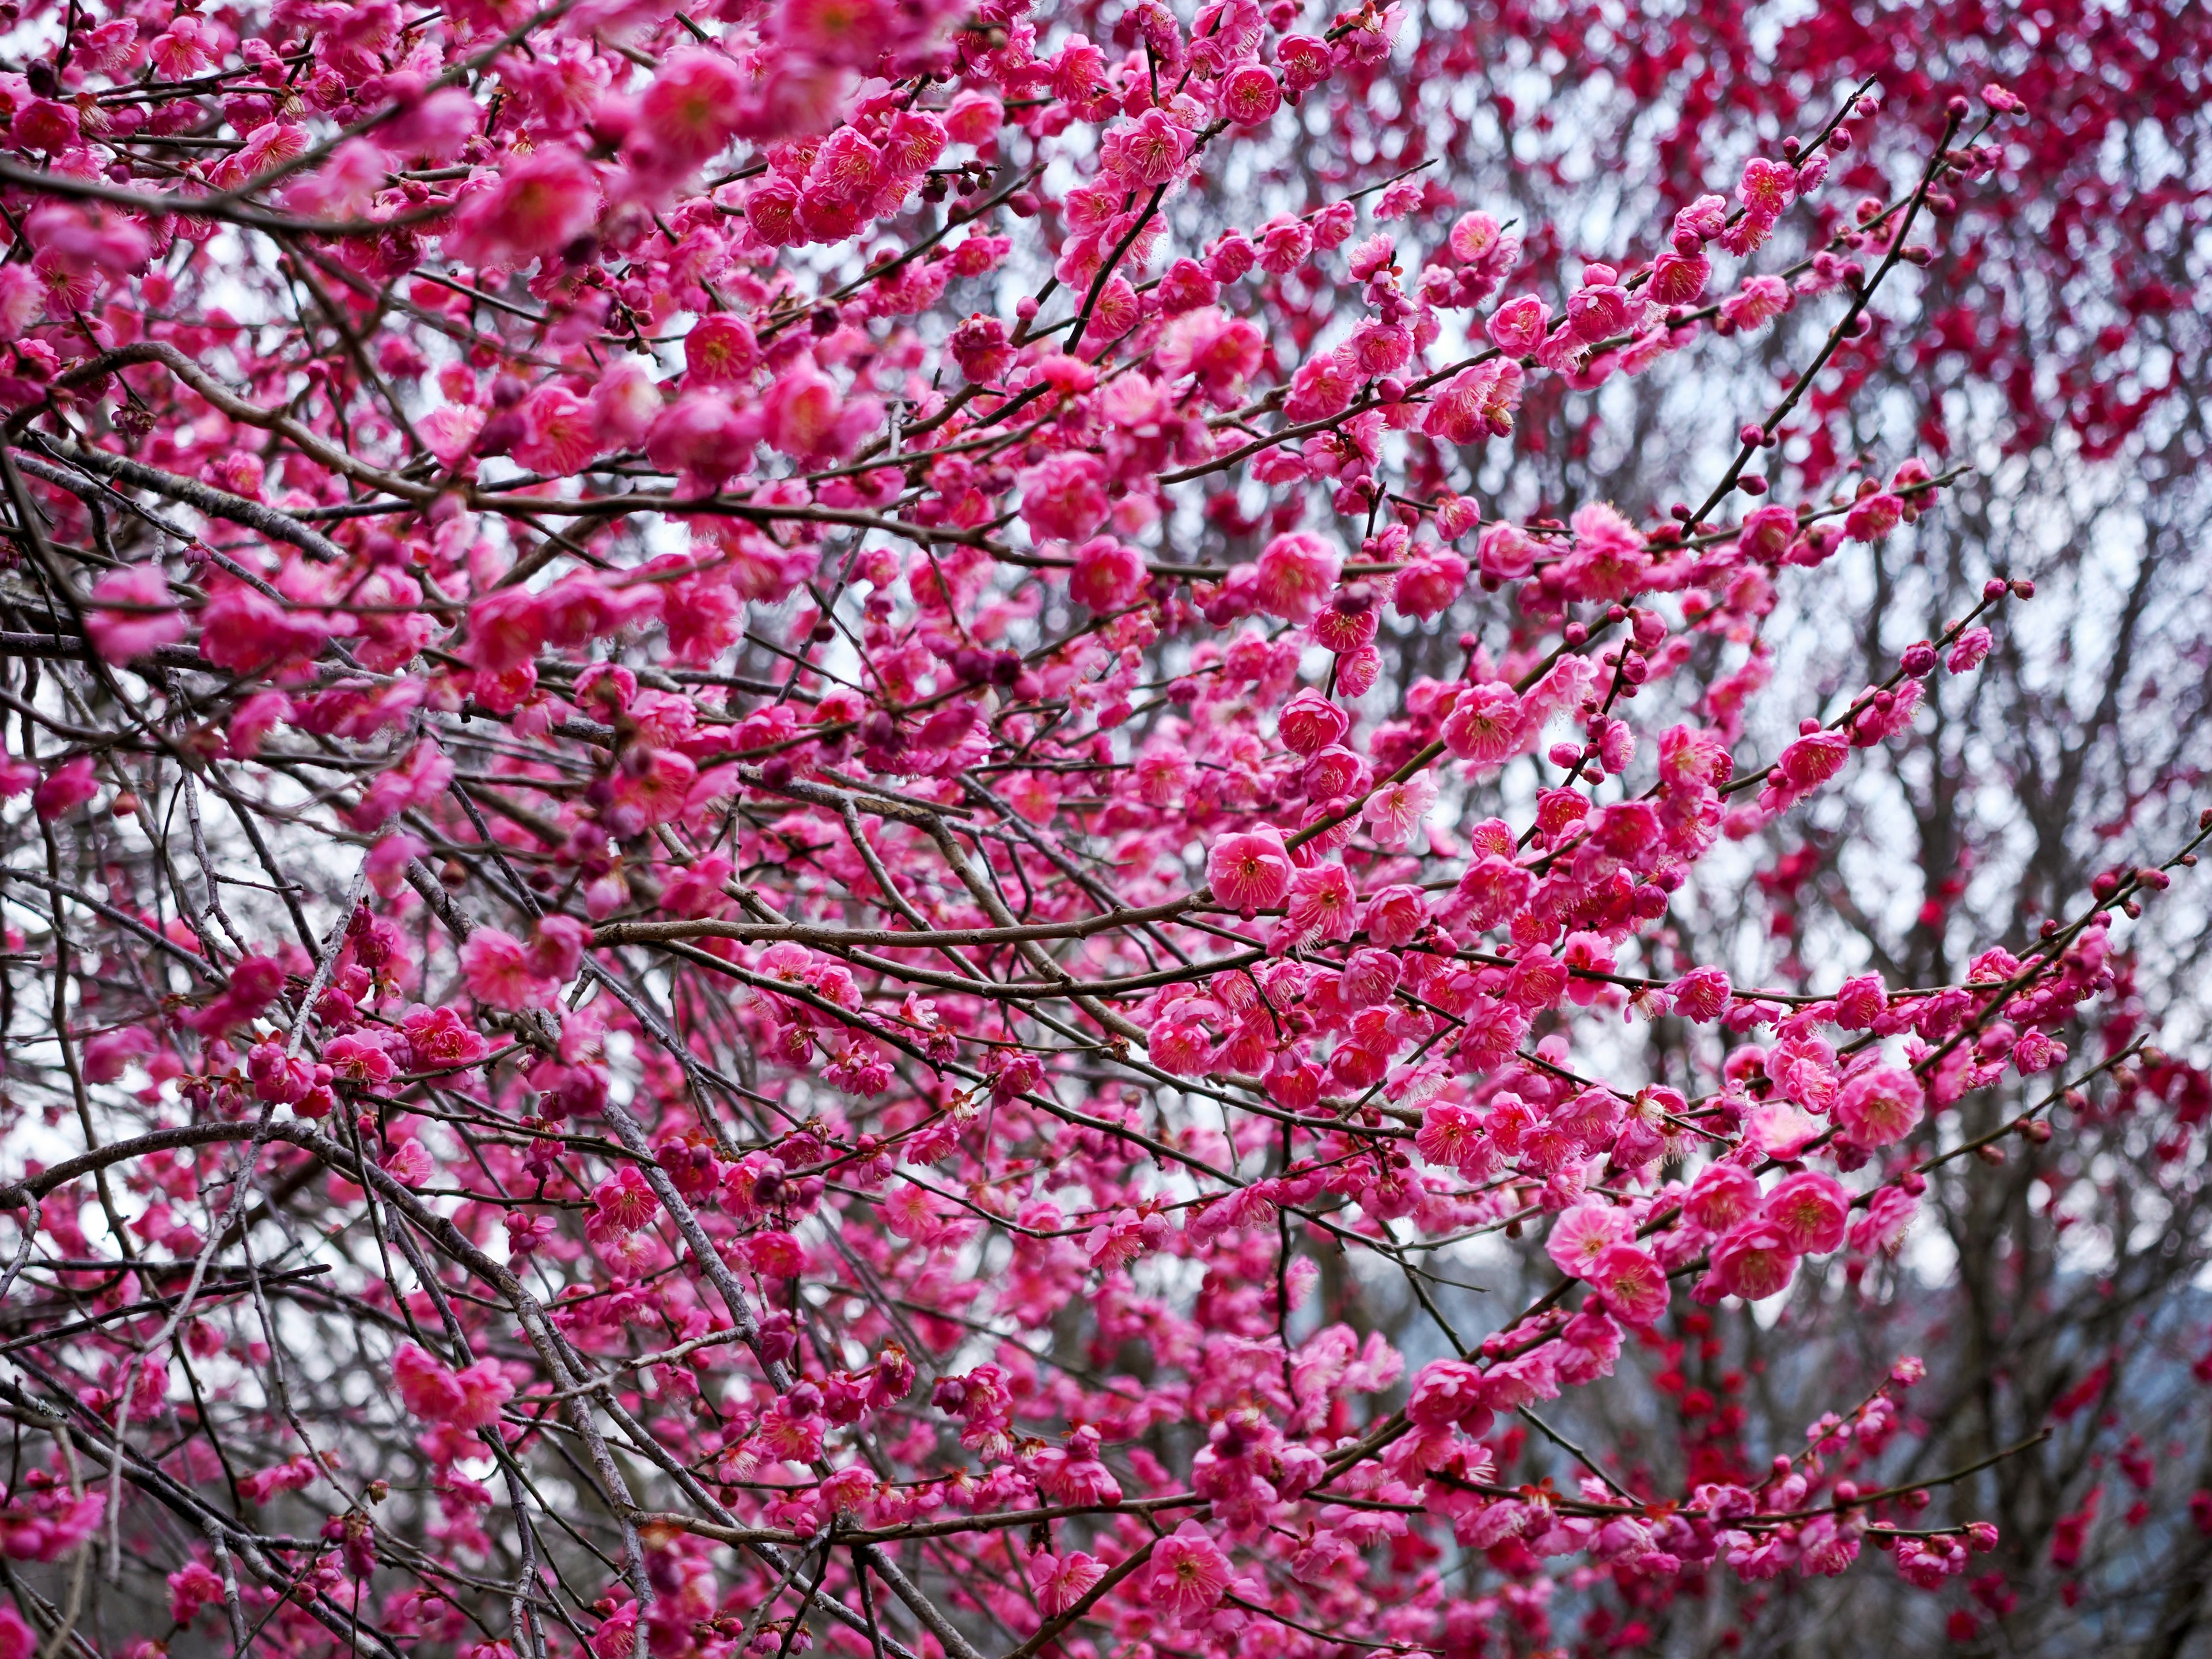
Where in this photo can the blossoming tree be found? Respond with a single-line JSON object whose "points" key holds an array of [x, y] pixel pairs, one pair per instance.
{"points": [[786, 782]]}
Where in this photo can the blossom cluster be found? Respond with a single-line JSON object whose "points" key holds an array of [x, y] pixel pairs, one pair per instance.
{"points": [[821, 993]]}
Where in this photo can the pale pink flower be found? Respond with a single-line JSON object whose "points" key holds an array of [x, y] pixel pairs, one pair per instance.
{"points": [[1780, 1130]]}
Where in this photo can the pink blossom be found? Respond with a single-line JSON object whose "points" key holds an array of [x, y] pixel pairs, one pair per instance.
{"points": [[1189, 1573], [46, 1525], [1108, 574], [624, 1201], [1064, 497], [1322, 902], [67, 787], [537, 207], [1967, 653], [1584, 1233], [147, 617], [498, 974], [1485, 726], [1296, 572], [1062, 1581], [1518, 326], [1634, 1285], [1810, 1209], [1879, 1107], [1250, 95], [1722, 1196], [1395, 811], [1701, 994], [1753, 1262], [692, 106], [1446, 1393]]}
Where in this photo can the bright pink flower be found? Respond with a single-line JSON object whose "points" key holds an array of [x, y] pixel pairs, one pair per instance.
{"points": [[806, 418], [692, 106], [1584, 1233], [1634, 1285], [1966, 654], [1062, 1580], [702, 436], [1486, 725], [1767, 188], [46, 1525], [1879, 1107], [1872, 518], [1322, 904], [1248, 869], [1451, 1135], [1296, 572], [67, 787], [1702, 994], [1721, 1196], [624, 1201], [1108, 574], [1064, 497], [1759, 301], [433, 1391], [359, 1060], [1190, 1572], [1145, 152], [1810, 1208], [131, 613], [536, 206], [1517, 327], [1813, 760], [560, 431], [1311, 723], [1753, 1262], [1882, 1227], [498, 973], [1250, 95], [557, 948], [437, 1039], [1446, 1393], [1427, 586]]}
